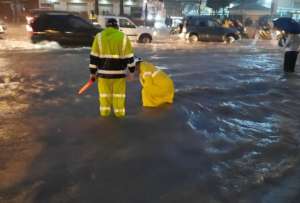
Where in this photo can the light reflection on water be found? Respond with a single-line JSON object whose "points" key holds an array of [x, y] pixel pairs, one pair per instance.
{"points": [[246, 118], [247, 114]]}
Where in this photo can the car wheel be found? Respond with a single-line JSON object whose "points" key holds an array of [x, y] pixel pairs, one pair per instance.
{"points": [[193, 38], [229, 39], [145, 39], [37, 38]]}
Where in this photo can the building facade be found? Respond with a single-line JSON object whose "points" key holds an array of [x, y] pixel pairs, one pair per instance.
{"points": [[15, 10], [185, 7], [289, 8], [106, 7], [284, 7]]}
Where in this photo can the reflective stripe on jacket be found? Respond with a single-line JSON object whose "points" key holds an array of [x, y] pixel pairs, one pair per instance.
{"points": [[111, 54]]}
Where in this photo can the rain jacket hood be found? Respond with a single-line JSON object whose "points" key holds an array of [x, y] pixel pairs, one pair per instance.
{"points": [[111, 32]]}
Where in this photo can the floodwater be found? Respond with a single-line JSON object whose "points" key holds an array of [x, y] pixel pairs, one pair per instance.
{"points": [[232, 134]]}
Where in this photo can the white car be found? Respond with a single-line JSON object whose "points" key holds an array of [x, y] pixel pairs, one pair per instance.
{"points": [[2, 28], [140, 34]]}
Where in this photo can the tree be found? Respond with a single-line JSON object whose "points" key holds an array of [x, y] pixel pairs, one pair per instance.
{"points": [[218, 4], [96, 7]]}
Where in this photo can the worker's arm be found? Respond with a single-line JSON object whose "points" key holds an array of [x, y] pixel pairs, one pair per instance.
{"points": [[128, 54], [95, 59]]}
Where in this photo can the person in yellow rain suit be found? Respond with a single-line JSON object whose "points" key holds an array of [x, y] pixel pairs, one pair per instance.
{"points": [[110, 57], [227, 23], [157, 86], [93, 17]]}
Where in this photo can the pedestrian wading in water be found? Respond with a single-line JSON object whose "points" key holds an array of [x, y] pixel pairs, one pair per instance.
{"points": [[291, 44], [110, 57]]}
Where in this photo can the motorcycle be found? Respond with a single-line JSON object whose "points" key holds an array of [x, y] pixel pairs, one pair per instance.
{"points": [[265, 33], [281, 38]]}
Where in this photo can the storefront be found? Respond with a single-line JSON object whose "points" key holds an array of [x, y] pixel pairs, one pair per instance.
{"points": [[133, 8], [106, 7], [291, 10], [294, 13], [15, 10], [251, 11]]}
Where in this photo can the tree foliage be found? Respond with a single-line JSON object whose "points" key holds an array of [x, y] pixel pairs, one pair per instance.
{"points": [[218, 4], [245, 1]]}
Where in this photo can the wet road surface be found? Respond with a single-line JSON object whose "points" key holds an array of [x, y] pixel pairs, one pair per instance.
{"points": [[232, 134]]}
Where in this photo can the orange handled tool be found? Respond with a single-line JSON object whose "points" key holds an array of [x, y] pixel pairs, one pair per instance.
{"points": [[86, 86]]}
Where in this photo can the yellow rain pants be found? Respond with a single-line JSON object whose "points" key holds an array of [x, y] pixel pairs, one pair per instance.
{"points": [[112, 94], [157, 86]]}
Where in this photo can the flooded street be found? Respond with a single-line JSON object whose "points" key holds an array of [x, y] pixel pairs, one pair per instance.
{"points": [[232, 134]]}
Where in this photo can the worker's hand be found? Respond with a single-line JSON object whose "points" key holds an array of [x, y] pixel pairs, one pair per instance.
{"points": [[93, 77], [130, 76]]}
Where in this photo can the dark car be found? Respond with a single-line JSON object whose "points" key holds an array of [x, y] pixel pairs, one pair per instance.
{"points": [[206, 28], [66, 28]]}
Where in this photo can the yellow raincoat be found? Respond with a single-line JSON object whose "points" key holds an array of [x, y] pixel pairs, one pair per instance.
{"points": [[110, 57], [157, 86]]}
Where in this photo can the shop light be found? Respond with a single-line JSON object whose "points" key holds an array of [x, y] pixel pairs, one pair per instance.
{"points": [[150, 17], [129, 3]]}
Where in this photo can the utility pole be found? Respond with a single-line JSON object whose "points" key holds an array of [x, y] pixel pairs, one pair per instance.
{"points": [[200, 5], [121, 7], [146, 13], [97, 7], [16, 10], [274, 6], [242, 10]]}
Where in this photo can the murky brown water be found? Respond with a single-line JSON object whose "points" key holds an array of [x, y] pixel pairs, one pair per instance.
{"points": [[232, 134]]}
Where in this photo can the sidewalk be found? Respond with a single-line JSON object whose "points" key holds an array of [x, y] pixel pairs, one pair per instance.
{"points": [[16, 32]]}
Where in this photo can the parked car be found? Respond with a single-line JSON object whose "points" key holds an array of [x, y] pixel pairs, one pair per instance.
{"points": [[206, 28], [66, 28], [140, 34], [3, 28]]}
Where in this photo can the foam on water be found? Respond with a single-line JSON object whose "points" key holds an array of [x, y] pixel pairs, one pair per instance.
{"points": [[230, 109], [26, 45]]}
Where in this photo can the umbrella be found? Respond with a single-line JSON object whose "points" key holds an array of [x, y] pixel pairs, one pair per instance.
{"points": [[287, 24]]}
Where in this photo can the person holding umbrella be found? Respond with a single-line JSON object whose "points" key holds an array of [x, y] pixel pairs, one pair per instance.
{"points": [[290, 41], [291, 45]]}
